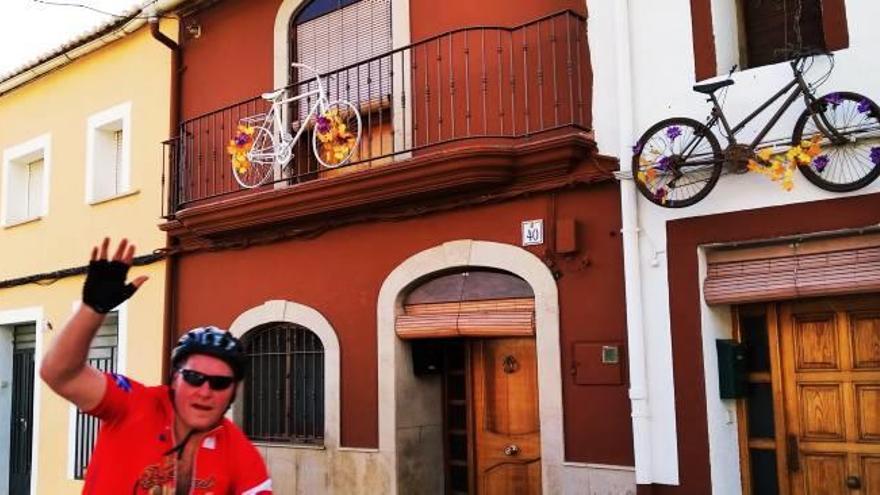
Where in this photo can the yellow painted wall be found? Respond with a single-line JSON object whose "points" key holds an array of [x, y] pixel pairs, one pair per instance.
{"points": [[134, 69]]}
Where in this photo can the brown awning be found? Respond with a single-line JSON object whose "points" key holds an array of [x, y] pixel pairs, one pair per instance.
{"points": [[845, 265], [499, 318]]}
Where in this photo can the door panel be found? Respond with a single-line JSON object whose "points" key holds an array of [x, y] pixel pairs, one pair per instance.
{"points": [[831, 377], [513, 479], [821, 412], [506, 419], [824, 473], [868, 408], [871, 474], [866, 341]]}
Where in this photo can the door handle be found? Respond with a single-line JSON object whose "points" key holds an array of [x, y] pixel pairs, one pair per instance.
{"points": [[791, 453], [853, 482], [511, 450], [24, 424]]}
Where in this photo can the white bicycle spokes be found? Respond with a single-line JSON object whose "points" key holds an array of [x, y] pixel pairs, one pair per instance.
{"points": [[336, 136]]}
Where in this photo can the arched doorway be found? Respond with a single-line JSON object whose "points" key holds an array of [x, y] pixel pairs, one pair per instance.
{"points": [[410, 419], [473, 329]]}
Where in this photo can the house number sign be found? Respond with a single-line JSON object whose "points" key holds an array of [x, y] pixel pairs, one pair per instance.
{"points": [[532, 232]]}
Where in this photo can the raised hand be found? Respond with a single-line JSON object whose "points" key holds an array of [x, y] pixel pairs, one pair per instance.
{"points": [[105, 286]]}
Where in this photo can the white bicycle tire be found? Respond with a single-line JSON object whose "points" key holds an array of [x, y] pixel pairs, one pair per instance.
{"points": [[315, 140], [262, 162]]}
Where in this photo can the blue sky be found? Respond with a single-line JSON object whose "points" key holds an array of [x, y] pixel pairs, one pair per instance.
{"points": [[28, 29]]}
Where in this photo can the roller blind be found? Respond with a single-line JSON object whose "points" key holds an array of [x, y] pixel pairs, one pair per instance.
{"points": [[499, 318], [840, 266], [343, 37]]}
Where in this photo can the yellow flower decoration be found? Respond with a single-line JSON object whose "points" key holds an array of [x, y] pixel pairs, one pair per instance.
{"points": [[239, 146], [336, 140], [779, 166]]}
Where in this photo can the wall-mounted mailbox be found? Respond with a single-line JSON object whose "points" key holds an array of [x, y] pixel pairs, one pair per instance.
{"points": [[597, 363], [427, 357], [732, 369]]}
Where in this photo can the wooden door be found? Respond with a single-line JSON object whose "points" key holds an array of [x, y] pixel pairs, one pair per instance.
{"points": [[831, 377], [506, 420]]}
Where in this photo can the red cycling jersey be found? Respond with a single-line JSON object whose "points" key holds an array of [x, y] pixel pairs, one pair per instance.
{"points": [[133, 451]]}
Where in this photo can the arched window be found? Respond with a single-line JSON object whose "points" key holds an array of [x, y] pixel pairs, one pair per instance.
{"points": [[284, 386], [331, 34]]}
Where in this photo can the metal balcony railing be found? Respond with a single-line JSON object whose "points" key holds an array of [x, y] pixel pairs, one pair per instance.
{"points": [[471, 83]]}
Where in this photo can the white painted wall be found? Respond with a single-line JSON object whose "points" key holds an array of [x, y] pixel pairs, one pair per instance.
{"points": [[663, 74]]}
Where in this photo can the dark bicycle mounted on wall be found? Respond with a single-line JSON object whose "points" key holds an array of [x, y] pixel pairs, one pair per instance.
{"points": [[678, 161]]}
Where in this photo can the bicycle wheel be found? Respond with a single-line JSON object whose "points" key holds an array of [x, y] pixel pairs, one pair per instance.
{"points": [[261, 160], [677, 162], [337, 134], [850, 148]]}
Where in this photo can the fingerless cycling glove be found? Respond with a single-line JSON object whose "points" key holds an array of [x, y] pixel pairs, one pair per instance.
{"points": [[105, 286]]}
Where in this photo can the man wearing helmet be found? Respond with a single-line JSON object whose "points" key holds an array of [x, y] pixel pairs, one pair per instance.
{"points": [[161, 440]]}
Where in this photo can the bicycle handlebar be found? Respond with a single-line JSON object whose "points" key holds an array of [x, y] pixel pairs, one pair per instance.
{"points": [[314, 71]]}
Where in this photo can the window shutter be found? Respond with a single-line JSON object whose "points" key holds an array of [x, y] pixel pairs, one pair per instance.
{"points": [[34, 188], [117, 162], [809, 269], [771, 26], [344, 37]]}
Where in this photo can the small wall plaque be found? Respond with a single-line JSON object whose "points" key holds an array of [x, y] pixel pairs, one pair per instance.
{"points": [[532, 232]]}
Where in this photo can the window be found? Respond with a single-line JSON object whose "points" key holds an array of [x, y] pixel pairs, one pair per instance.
{"points": [[284, 386], [25, 181], [108, 153], [771, 29], [103, 355], [753, 33], [330, 34]]}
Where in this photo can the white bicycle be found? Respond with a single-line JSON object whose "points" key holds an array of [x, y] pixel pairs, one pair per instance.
{"points": [[337, 133]]}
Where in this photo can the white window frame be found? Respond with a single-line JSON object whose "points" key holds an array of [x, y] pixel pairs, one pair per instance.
{"points": [[34, 149], [119, 118], [121, 346]]}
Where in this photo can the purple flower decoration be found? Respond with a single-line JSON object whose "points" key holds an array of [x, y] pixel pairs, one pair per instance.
{"points": [[241, 139], [864, 106], [820, 162], [834, 98], [660, 194], [875, 155], [323, 124], [663, 164], [673, 132], [637, 148]]}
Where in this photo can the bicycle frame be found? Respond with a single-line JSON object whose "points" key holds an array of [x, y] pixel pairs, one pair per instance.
{"points": [[282, 138], [801, 88]]}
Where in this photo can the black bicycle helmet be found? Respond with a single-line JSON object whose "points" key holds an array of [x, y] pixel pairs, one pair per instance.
{"points": [[211, 341]]}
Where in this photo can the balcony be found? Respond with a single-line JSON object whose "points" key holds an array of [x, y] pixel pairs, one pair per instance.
{"points": [[428, 109]]}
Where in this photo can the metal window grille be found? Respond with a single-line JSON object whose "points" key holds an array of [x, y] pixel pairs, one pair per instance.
{"points": [[284, 387], [102, 355]]}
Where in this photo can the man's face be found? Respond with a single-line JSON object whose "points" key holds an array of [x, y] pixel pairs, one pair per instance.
{"points": [[201, 407]]}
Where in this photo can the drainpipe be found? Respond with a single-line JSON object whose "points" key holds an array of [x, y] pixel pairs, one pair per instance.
{"points": [[169, 333], [635, 331]]}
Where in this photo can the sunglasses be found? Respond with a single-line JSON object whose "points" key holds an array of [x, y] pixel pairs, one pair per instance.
{"points": [[216, 382]]}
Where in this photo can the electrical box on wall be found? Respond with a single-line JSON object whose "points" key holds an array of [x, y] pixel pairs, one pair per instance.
{"points": [[732, 369], [597, 363]]}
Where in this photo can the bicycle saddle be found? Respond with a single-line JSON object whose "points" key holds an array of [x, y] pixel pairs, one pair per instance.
{"points": [[271, 95], [710, 88]]}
